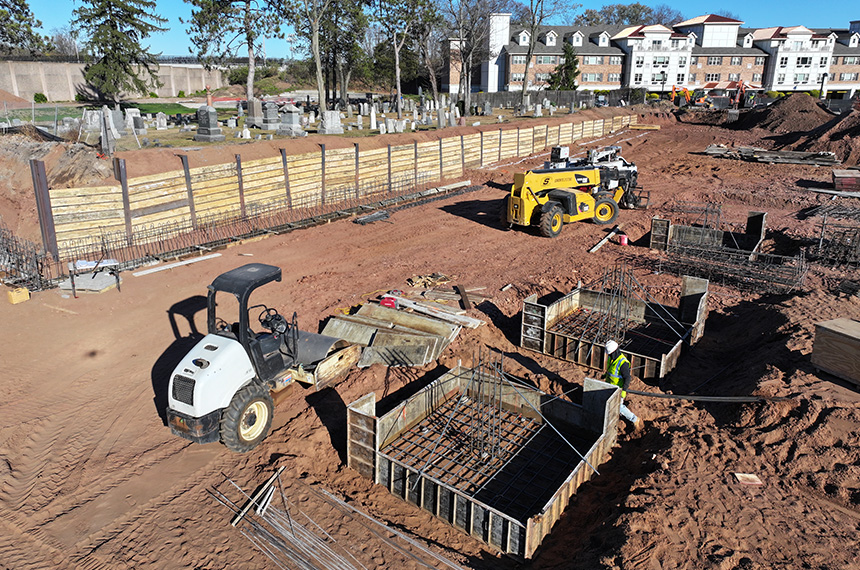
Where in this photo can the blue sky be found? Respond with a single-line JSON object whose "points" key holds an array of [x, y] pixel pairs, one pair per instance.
{"points": [[58, 13]]}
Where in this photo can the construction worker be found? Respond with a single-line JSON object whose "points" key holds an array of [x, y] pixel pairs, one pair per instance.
{"points": [[618, 373]]}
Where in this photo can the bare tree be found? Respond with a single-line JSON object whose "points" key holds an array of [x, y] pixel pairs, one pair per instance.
{"points": [[307, 16], [397, 18], [666, 15], [64, 41], [533, 16], [727, 14], [430, 39], [219, 28], [470, 21]]}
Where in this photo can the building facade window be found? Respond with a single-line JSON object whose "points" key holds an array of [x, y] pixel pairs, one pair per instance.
{"points": [[801, 78], [851, 60], [715, 60], [518, 60], [848, 76], [680, 78], [692, 78], [640, 60], [712, 77], [822, 62], [614, 60], [736, 60], [797, 46], [545, 60], [614, 78], [517, 77], [757, 77], [759, 60], [656, 44], [592, 60], [661, 61], [734, 76], [804, 61], [676, 44], [682, 61], [783, 61], [592, 77], [780, 78], [637, 78], [694, 60]]}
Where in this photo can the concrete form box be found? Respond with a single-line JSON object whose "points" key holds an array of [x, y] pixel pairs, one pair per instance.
{"points": [[509, 500], [655, 333], [837, 348], [666, 236]]}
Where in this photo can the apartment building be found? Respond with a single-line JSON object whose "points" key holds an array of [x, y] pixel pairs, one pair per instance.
{"points": [[709, 52]]}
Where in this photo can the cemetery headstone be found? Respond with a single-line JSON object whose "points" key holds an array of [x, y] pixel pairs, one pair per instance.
{"points": [[207, 125], [330, 123]]}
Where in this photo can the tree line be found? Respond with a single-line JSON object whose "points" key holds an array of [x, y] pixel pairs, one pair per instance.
{"points": [[371, 40]]}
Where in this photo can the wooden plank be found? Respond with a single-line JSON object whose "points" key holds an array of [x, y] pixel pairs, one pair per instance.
{"points": [[461, 320], [836, 348], [353, 332], [606, 238], [418, 322], [464, 297]]}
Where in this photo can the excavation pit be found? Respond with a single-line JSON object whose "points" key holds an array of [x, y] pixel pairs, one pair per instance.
{"points": [[492, 457]]}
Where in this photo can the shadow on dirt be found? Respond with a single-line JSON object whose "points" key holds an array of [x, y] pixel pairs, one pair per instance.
{"points": [[164, 365], [484, 212], [331, 410]]}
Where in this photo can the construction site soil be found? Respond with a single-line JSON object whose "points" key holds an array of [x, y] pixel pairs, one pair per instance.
{"points": [[91, 478]]}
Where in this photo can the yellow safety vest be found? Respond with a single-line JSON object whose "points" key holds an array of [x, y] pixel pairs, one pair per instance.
{"points": [[613, 372]]}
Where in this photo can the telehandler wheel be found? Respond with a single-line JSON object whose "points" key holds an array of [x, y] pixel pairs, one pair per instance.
{"points": [[246, 421], [605, 211], [551, 221]]}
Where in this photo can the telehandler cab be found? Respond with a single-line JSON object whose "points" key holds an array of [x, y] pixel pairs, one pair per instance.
{"points": [[222, 389]]}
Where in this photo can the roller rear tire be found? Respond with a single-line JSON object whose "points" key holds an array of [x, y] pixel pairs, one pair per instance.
{"points": [[246, 421]]}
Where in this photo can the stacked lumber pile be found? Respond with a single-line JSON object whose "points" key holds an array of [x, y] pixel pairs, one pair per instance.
{"points": [[846, 180], [755, 154], [414, 336]]}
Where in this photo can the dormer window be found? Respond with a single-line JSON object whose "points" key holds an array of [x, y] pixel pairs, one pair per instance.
{"points": [[576, 39], [748, 40], [603, 40], [524, 38], [854, 41], [549, 38]]}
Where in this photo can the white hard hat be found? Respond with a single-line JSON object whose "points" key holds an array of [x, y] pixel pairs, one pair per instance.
{"points": [[611, 346]]}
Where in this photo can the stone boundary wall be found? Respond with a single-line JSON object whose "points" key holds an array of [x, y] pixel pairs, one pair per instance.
{"points": [[302, 180], [61, 81]]}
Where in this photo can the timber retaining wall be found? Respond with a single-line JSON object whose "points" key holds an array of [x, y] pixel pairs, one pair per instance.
{"points": [[322, 178]]}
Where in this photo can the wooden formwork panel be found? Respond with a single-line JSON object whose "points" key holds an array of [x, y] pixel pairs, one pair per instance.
{"points": [[565, 133], [340, 168], [472, 150], [539, 137], [526, 142], [510, 142], [305, 175], [553, 136], [104, 207], [491, 142], [588, 129], [402, 161], [452, 161], [428, 160], [576, 132], [373, 167]]}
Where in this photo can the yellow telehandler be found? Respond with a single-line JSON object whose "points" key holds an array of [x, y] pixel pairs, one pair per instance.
{"points": [[567, 191]]}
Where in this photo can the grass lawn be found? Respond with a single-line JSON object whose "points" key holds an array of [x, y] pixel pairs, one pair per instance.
{"points": [[166, 108]]}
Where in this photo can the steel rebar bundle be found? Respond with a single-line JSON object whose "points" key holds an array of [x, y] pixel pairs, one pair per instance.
{"points": [[838, 245]]}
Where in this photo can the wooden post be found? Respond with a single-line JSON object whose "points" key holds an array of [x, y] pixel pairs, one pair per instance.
{"points": [[191, 207], [286, 177], [389, 169], [241, 184], [43, 207], [357, 191], [322, 181], [120, 174]]}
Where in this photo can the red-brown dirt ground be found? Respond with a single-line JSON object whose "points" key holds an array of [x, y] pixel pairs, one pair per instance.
{"points": [[91, 478]]}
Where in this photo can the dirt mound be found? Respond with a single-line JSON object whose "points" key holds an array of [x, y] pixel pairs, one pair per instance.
{"points": [[841, 136], [795, 113], [67, 165], [7, 97]]}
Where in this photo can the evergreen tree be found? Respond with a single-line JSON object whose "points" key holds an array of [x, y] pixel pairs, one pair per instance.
{"points": [[16, 33], [563, 78], [114, 30]]}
